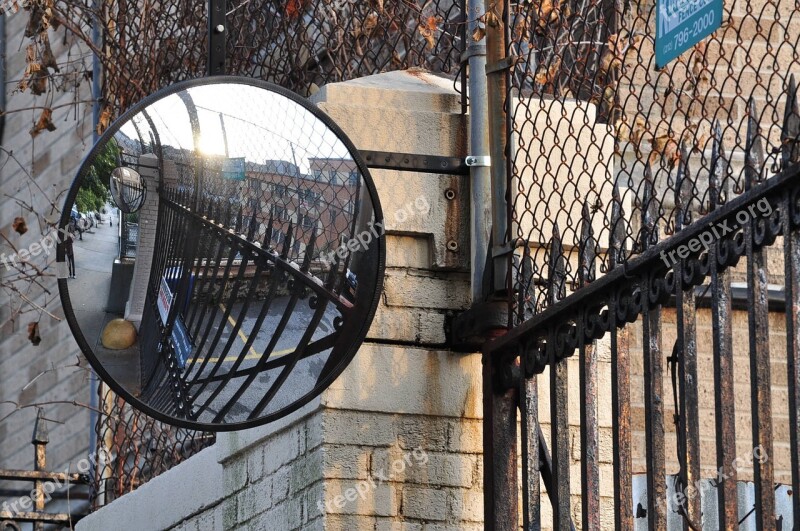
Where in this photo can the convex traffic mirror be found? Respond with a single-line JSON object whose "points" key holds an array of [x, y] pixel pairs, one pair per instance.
{"points": [[244, 280], [127, 189]]}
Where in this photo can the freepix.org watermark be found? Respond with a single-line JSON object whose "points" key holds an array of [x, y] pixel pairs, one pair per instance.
{"points": [[716, 232], [362, 241], [690, 492], [46, 245], [84, 466], [416, 457]]}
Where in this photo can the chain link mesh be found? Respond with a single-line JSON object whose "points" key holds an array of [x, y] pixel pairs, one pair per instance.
{"points": [[303, 44], [588, 113]]}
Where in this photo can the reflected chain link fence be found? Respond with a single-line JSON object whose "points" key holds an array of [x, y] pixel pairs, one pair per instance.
{"points": [[298, 44]]}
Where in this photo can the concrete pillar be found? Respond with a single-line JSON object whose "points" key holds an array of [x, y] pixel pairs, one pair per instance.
{"points": [[148, 218]]}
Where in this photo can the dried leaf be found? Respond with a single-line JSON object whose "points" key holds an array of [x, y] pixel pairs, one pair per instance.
{"points": [[638, 130], [104, 120], [478, 34], [48, 59], [33, 334], [667, 148], [369, 24], [428, 36], [623, 130], [432, 24], [39, 82], [294, 8], [700, 49], [33, 68], [547, 13], [19, 226], [37, 21], [545, 75], [45, 122]]}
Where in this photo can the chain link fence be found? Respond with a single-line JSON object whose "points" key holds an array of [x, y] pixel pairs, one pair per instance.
{"points": [[134, 448], [653, 219], [304, 44], [589, 117]]}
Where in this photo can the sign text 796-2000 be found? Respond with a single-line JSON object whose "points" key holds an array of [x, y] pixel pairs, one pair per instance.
{"points": [[680, 24]]}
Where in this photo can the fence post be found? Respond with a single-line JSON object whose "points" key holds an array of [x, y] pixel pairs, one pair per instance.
{"points": [[40, 439], [497, 72], [488, 128]]}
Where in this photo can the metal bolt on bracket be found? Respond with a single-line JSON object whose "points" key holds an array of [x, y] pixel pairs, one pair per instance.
{"points": [[481, 161]]}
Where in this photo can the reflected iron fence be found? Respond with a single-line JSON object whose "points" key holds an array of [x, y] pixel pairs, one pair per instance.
{"points": [[299, 45], [128, 237], [653, 265]]}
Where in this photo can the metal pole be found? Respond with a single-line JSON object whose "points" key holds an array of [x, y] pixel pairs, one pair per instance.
{"points": [[216, 37], [480, 174], [40, 440], [497, 83], [2, 74], [94, 399], [500, 395]]}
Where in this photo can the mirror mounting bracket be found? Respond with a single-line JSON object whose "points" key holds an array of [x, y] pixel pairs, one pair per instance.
{"points": [[386, 160]]}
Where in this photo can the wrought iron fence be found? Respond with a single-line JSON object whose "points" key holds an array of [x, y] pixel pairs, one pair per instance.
{"points": [[298, 44], [654, 232], [128, 237]]}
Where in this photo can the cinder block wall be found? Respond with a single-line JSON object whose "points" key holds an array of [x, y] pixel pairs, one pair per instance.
{"points": [[51, 160]]}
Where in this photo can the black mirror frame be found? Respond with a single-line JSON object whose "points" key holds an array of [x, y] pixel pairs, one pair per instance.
{"points": [[355, 341]]}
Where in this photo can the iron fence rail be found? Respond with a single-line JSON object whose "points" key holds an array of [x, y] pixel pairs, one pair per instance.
{"points": [[638, 291], [626, 187]]}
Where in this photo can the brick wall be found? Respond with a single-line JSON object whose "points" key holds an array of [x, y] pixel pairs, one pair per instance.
{"points": [[52, 160]]}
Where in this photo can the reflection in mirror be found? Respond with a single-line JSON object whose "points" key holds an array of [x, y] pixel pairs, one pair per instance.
{"points": [[127, 189], [244, 283]]}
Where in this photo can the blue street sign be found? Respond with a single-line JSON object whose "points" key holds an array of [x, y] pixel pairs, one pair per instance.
{"points": [[680, 24], [233, 169], [181, 343]]}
